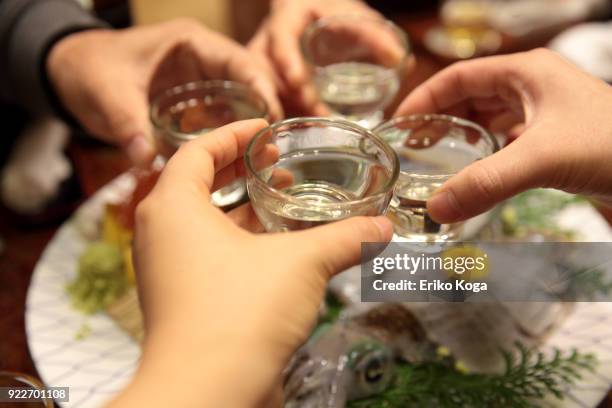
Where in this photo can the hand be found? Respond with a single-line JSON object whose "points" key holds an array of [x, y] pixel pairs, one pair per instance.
{"points": [[278, 42], [225, 308], [105, 78], [564, 122]]}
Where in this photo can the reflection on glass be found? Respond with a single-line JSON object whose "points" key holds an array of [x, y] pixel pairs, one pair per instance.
{"points": [[185, 112], [431, 148]]}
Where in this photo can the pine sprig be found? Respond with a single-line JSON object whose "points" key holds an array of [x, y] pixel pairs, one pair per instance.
{"points": [[529, 376], [535, 211]]}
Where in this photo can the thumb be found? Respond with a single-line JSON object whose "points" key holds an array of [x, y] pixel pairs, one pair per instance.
{"points": [[123, 112], [487, 182], [337, 246]]}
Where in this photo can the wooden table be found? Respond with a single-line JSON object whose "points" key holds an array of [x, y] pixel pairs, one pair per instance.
{"points": [[95, 165]]}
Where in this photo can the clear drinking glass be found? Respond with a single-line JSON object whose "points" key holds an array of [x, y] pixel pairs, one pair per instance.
{"points": [[187, 111], [431, 148], [356, 63], [308, 171]]}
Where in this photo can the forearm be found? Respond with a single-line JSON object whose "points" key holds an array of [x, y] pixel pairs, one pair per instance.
{"points": [[186, 370], [28, 29]]}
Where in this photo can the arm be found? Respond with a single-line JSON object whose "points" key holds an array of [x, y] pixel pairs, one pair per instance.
{"points": [[225, 308], [28, 29]]}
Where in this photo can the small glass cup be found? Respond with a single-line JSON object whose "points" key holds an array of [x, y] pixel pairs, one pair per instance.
{"points": [[431, 149], [187, 111], [14, 380], [356, 64], [305, 172]]}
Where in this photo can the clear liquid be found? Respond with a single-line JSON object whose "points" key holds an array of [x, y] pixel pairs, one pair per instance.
{"points": [[356, 89], [322, 177], [197, 116], [192, 118], [408, 209]]}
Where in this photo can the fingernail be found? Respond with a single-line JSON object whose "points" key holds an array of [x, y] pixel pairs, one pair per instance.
{"points": [[443, 207], [384, 226], [139, 150]]}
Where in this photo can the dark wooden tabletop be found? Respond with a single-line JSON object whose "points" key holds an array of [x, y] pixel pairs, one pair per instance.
{"points": [[95, 165]]}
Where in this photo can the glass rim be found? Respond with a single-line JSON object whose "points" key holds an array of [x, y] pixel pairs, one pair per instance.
{"points": [[323, 21], [428, 117], [207, 85], [332, 122]]}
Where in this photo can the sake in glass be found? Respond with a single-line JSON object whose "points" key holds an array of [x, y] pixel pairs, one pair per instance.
{"points": [[356, 64], [431, 149], [188, 111], [304, 172]]}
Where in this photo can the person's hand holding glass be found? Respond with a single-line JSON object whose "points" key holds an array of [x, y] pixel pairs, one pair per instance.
{"points": [[561, 116], [431, 149], [216, 295], [105, 78], [356, 64], [336, 43]]}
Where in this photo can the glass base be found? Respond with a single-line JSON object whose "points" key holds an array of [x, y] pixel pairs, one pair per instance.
{"points": [[416, 228], [230, 194]]}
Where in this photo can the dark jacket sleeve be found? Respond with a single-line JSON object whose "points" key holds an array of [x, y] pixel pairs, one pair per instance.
{"points": [[28, 29]]}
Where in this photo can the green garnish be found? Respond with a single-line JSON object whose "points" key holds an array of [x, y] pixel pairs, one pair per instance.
{"points": [[100, 278], [586, 283], [534, 211], [529, 376]]}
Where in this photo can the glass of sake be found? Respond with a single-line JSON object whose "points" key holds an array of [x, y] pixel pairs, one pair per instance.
{"points": [[356, 64], [431, 149], [304, 172], [187, 111]]}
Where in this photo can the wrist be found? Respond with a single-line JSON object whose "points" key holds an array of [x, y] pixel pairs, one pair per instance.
{"points": [[63, 54], [59, 75], [179, 367]]}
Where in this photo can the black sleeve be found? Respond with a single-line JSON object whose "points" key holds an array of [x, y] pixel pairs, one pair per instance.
{"points": [[28, 29]]}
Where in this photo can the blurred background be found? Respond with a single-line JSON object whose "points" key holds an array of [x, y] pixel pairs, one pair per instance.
{"points": [[441, 32]]}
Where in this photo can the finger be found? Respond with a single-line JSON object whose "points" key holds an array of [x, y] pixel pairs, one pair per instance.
{"points": [[378, 42], [308, 99], [259, 42], [337, 246], [281, 179], [284, 45], [487, 182], [259, 46], [124, 112], [245, 217], [246, 68], [197, 161], [260, 160], [454, 86], [222, 58]]}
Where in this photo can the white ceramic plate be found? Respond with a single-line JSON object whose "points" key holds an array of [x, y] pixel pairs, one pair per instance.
{"points": [[99, 365]]}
